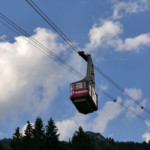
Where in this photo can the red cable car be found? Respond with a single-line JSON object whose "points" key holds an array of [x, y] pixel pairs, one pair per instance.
{"points": [[82, 93]]}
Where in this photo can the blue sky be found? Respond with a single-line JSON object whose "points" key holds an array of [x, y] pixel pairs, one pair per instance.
{"points": [[117, 35]]}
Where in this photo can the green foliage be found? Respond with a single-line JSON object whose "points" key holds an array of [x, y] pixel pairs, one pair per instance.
{"points": [[51, 135], [38, 137], [28, 131], [16, 140], [1, 146], [81, 141], [38, 134], [27, 140], [64, 145], [6, 143]]}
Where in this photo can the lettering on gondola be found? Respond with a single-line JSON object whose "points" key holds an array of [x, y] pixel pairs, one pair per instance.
{"points": [[84, 91]]}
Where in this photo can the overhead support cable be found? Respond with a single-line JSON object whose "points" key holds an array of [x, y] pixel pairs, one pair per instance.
{"points": [[52, 24], [37, 44], [123, 105], [76, 49], [19, 31], [117, 85]]}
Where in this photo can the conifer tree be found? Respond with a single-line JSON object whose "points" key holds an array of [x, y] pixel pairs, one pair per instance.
{"points": [[28, 137], [16, 140], [38, 134], [28, 131], [51, 136], [81, 141], [1, 146]]}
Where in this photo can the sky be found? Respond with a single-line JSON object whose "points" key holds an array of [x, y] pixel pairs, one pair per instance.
{"points": [[117, 35]]}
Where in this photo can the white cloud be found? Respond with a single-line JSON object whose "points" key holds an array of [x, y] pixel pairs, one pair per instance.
{"points": [[135, 110], [132, 44], [3, 37], [146, 137], [108, 34], [129, 7], [103, 33], [147, 122], [134, 93], [103, 87], [29, 80], [99, 123], [109, 112], [67, 127]]}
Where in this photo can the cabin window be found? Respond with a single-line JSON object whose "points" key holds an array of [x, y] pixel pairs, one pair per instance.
{"points": [[86, 85], [78, 85], [72, 86]]}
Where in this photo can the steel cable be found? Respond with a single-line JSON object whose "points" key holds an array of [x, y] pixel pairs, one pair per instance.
{"points": [[76, 49], [53, 56]]}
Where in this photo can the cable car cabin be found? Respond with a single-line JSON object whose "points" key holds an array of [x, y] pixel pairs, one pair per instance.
{"points": [[82, 92], [84, 97]]}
